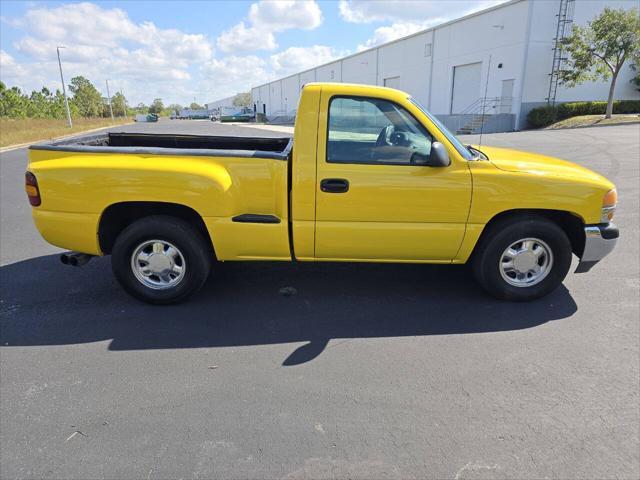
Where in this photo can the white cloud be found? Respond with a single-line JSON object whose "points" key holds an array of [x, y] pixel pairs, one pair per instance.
{"points": [[82, 23], [104, 43], [10, 68], [90, 30], [232, 74], [416, 11], [240, 38], [279, 15], [265, 18], [296, 59], [147, 61]]}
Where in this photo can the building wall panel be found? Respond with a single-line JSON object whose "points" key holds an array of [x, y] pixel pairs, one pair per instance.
{"points": [[410, 60], [329, 73], [307, 77], [290, 94], [360, 68]]}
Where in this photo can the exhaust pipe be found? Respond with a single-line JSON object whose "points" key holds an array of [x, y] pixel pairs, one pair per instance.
{"points": [[75, 259]]}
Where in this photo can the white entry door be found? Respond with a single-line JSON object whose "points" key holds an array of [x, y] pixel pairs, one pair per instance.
{"points": [[506, 97], [466, 86]]}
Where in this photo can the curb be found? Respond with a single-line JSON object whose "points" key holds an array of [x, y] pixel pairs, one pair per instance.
{"points": [[62, 137], [617, 124]]}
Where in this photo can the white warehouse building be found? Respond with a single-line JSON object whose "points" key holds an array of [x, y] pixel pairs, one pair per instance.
{"points": [[501, 60], [215, 107]]}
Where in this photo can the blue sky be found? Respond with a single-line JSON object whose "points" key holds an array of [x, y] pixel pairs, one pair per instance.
{"points": [[204, 50]]}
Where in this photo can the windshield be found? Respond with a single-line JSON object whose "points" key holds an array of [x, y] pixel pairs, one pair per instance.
{"points": [[458, 145]]}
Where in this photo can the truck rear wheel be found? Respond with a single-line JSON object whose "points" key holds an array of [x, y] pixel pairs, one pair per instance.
{"points": [[522, 258], [161, 259]]}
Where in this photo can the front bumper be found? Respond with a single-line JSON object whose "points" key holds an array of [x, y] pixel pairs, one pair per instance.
{"points": [[599, 241]]}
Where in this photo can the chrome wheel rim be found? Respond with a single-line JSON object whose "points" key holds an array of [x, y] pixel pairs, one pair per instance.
{"points": [[158, 264], [526, 262]]}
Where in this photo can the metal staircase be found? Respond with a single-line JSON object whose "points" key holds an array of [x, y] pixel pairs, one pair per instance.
{"points": [[473, 117], [282, 117], [563, 28]]}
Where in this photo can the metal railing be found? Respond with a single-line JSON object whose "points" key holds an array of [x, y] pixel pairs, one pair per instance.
{"points": [[282, 116], [478, 112], [487, 105]]}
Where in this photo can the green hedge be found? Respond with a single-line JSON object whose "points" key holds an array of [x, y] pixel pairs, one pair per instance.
{"points": [[543, 116]]}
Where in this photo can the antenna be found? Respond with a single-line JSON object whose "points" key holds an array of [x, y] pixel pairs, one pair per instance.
{"points": [[484, 101]]}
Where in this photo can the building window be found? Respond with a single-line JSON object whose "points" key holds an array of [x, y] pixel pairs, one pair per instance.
{"points": [[332, 74], [427, 49], [392, 82]]}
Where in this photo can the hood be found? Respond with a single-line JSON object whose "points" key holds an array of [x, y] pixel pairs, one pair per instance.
{"points": [[535, 164]]}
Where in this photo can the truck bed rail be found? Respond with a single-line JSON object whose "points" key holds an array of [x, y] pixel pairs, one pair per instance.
{"points": [[176, 145]]}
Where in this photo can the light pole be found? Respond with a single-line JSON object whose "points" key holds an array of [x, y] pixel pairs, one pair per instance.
{"points": [[64, 90], [109, 98]]}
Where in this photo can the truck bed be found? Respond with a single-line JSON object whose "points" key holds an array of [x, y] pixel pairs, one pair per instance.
{"points": [[170, 144]]}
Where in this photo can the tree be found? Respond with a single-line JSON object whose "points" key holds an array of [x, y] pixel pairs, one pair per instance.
{"points": [[141, 108], [156, 106], [174, 108], [196, 106], [40, 103], [599, 50], [119, 105], [242, 99], [58, 109], [635, 66], [636, 78], [86, 97], [13, 103]]}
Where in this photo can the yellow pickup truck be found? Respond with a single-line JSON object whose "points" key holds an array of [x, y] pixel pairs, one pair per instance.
{"points": [[370, 176]]}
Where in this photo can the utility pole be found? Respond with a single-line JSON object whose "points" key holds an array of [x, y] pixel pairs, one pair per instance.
{"points": [[109, 98], [64, 90]]}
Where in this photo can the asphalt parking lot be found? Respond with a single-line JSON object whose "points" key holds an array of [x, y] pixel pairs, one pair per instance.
{"points": [[369, 371]]}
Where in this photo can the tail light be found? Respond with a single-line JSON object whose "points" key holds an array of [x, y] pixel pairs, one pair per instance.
{"points": [[609, 206], [31, 187]]}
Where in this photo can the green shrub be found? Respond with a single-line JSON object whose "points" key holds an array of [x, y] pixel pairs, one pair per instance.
{"points": [[542, 116]]}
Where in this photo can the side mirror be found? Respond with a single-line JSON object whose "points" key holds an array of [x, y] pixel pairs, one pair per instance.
{"points": [[438, 156]]}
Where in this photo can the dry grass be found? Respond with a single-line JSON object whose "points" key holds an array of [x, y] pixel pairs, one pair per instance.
{"points": [[594, 120], [24, 130]]}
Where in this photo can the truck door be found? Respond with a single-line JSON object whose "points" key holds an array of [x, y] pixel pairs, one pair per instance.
{"points": [[376, 199]]}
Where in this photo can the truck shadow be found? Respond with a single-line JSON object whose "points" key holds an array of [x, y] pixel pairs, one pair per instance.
{"points": [[46, 303]]}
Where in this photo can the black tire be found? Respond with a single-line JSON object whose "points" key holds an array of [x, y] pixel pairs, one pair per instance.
{"points": [[487, 258], [194, 249]]}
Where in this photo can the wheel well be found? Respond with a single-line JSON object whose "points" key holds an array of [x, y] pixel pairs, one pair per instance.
{"points": [[119, 216], [572, 225]]}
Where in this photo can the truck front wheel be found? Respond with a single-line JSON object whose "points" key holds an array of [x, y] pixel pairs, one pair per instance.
{"points": [[522, 259], [161, 259]]}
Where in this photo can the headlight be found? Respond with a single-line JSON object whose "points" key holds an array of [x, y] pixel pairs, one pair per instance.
{"points": [[609, 206]]}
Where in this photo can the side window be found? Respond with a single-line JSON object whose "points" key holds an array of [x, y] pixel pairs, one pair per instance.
{"points": [[374, 131]]}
